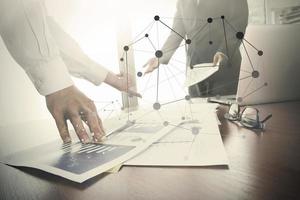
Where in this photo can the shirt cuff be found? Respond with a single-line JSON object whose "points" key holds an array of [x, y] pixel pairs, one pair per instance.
{"points": [[96, 74], [50, 76]]}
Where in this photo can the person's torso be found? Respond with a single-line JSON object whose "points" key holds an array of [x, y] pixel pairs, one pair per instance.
{"points": [[207, 37]]}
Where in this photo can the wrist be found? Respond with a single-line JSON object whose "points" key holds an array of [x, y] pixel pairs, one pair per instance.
{"points": [[224, 56], [112, 80]]}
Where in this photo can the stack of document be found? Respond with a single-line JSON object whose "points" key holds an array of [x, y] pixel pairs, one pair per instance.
{"points": [[142, 138], [195, 141]]}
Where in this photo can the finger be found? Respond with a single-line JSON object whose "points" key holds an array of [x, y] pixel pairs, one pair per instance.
{"points": [[79, 128], [94, 109], [145, 65], [133, 93], [220, 60], [215, 59], [128, 79], [120, 75], [94, 126], [150, 62], [83, 117], [62, 127], [148, 70], [101, 125]]}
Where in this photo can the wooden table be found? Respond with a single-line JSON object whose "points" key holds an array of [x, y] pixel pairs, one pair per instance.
{"points": [[263, 165]]}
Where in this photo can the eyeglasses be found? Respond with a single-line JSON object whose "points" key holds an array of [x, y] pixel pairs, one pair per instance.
{"points": [[248, 117]]}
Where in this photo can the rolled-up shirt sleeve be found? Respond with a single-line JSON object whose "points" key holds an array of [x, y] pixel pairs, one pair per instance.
{"points": [[174, 40], [26, 34], [78, 63]]}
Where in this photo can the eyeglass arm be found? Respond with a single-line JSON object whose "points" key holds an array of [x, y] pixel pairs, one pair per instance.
{"points": [[267, 118]]}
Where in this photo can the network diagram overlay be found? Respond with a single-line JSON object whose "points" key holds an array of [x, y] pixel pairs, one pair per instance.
{"points": [[149, 38]]}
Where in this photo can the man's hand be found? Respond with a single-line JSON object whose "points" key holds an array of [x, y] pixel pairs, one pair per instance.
{"points": [[121, 82], [219, 58], [71, 104], [151, 65]]}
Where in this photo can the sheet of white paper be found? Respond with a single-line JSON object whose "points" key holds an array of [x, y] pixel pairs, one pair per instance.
{"points": [[79, 162], [199, 73], [193, 143]]}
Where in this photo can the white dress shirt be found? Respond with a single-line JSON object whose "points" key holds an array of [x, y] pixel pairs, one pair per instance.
{"points": [[43, 49]]}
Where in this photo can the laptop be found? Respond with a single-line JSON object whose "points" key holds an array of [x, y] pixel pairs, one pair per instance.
{"points": [[270, 69]]}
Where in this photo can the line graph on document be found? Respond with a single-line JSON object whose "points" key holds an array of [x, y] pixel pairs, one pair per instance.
{"points": [[183, 136]]}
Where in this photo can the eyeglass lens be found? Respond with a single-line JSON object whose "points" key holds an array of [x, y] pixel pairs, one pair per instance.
{"points": [[249, 118], [234, 111]]}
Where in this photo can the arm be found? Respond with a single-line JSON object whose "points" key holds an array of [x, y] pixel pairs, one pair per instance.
{"points": [[80, 65], [77, 62], [26, 35], [174, 40], [172, 43]]}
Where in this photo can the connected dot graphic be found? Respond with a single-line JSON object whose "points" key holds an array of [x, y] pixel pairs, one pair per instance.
{"points": [[156, 17], [188, 41], [187, 97], [255, 74], [209, 20], [240, 35], [148, 38], [156, 106], [166, 123], [158, 54], [139, 74], [126, 48], [195, 130]]}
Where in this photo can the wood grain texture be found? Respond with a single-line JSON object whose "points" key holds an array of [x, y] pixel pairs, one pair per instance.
{"points": [[263, 165]]}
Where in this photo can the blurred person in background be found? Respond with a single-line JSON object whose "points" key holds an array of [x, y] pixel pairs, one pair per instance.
{"points": [[208, 45]]}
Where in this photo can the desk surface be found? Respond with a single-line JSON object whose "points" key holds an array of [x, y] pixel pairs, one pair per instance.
{"points": [[263, 165]]}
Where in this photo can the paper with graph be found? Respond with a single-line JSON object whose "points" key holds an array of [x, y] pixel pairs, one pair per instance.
{"points": [[174, 140], [79, 162], [196, 142]]}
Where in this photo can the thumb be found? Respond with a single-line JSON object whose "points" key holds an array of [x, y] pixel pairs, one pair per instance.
{"points": [[121, 74], [216, 59], [146, 64], [133, 93]]}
